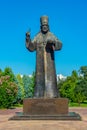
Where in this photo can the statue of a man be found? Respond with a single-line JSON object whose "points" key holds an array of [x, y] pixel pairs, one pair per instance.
{"points": [[45, 43]]}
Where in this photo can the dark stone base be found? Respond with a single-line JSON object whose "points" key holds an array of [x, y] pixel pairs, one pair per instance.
{"points": [[69, 116], [45, 106], [46, 109]]}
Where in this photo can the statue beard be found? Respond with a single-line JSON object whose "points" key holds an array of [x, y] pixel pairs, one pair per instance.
{"points": [[44, 29]]}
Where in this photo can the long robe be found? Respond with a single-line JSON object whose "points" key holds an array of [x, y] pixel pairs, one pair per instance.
{"points": [[46, 82]]}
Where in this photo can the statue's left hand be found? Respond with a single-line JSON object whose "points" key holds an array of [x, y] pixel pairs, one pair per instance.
{"points": [[50, 45]]}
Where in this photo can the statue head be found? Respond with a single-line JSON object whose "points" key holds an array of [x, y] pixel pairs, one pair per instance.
{"points": [[44, 24]]}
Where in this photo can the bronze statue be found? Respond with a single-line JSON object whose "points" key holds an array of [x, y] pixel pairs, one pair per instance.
{"points": [[45, 43]]}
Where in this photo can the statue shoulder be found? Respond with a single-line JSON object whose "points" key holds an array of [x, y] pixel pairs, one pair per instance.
{"points": [[36, 37], [52, 35]]}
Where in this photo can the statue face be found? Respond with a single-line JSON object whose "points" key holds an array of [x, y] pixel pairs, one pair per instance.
{"points": [[44, 28]]}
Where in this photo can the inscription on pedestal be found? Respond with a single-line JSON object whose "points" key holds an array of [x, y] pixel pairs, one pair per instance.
{"points": [[45, 106]]}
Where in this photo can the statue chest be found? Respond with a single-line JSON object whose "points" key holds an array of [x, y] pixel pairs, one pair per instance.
{"points": [[42, 41]]}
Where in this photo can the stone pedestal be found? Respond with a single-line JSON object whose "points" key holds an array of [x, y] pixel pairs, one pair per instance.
{"points": [[45, 106], [46, 109]]}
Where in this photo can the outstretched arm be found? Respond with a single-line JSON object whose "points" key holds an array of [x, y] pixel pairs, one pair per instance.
{"points": [[54, 43], [58, 44], [29, 44]]}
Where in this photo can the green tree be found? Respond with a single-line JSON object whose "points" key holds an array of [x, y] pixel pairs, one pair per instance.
{"points": [[8, 92], [68, 86], [8, 71], [8, 88], [20, 94], [32, 84], [83, 71], [75, 86], [79, 92], [83, 79], [0, 72], [29, 83]]}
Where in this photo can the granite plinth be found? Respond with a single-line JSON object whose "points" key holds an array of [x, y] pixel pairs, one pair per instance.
{"points": [[46, 109], [45, 106]]}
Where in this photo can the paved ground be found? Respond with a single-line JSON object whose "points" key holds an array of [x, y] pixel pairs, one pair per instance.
{"points": [[5, 124]]}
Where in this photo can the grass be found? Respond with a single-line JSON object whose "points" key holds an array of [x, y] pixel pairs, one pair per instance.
{"points": [[72, 104], [18, 105]]}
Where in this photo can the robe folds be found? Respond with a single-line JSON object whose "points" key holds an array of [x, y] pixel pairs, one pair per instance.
{"points": [[46, 82]]}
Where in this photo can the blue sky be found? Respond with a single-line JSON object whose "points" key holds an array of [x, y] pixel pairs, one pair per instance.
{"points": [[67, 20]]}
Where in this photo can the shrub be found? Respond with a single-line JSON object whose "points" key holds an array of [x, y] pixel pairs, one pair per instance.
{"points": [[8, 92]]}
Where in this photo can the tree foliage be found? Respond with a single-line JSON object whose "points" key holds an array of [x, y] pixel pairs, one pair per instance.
{"points": [[20, 94], [68, 86], [29, 83], [75, 86], [8, 91], [13, 89]]}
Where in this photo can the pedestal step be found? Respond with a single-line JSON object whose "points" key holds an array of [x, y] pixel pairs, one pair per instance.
{"points": [[69, 116]]}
